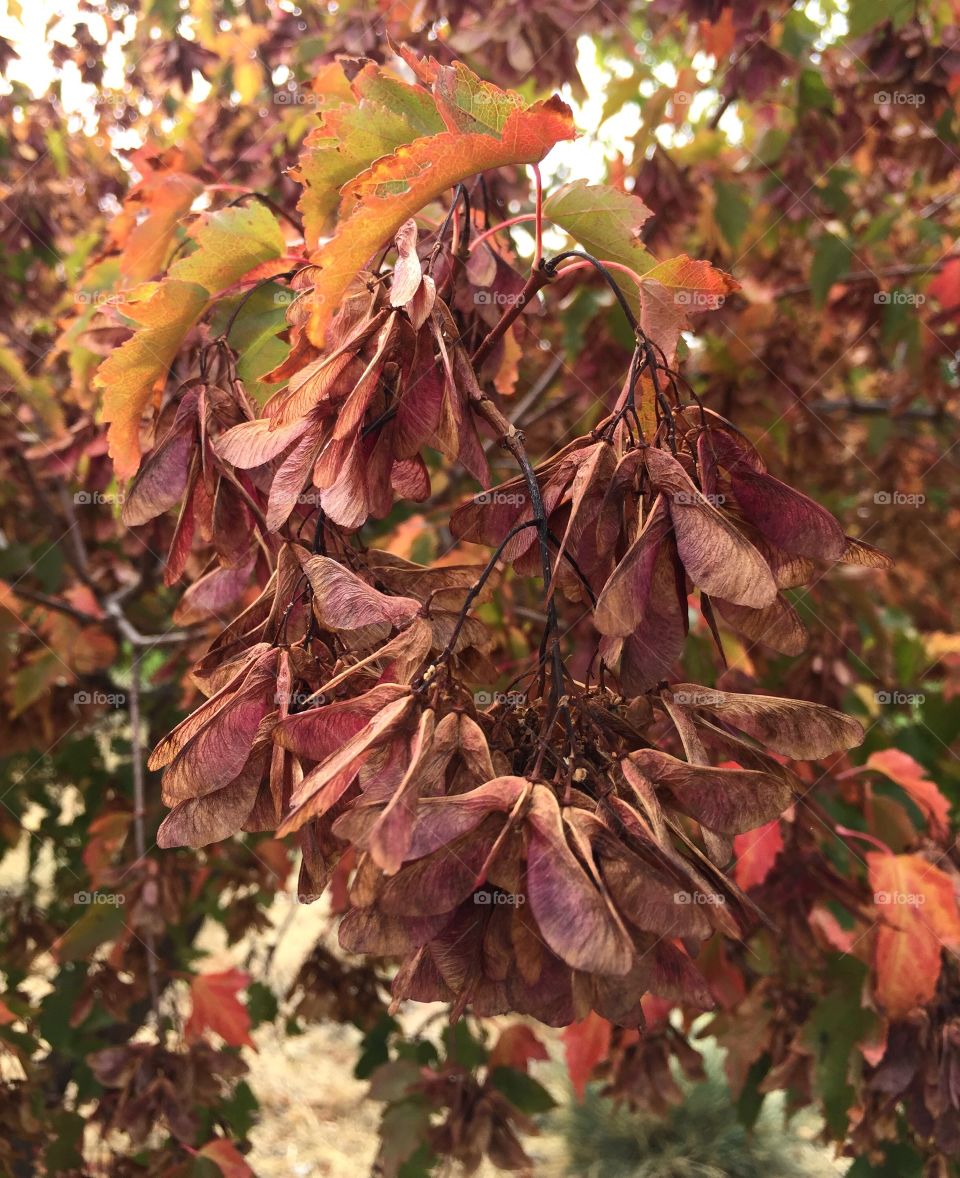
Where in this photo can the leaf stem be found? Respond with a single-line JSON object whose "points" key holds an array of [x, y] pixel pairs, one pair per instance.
{"points": [[520, 220], [604, 269], [538, 255]]}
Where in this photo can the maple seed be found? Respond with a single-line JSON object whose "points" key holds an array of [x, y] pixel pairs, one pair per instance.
{"points": [[517, 850]]}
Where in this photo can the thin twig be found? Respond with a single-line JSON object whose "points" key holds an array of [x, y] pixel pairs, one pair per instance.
{"points": [[860, 276], [62, 607]]}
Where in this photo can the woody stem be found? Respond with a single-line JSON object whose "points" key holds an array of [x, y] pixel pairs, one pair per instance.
{"points": [[512, 439], [539, 278]]}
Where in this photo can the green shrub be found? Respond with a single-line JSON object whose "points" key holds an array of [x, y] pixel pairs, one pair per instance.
{"points": [[699, 1138]]}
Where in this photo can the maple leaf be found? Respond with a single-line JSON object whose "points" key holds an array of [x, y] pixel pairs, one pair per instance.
{"points": [[484, 128], [675, 288], [756, 852], [227, 1157], [945, 287], [131, 375], [217, 1008], [917, 908], [230, 243], [607, 223], [106, 836], [585, 1044], [362, 119], [515, 1047], [151, 214], [911, 776]]}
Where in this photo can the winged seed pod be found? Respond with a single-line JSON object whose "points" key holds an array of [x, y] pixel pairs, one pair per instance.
{"points": [[558, 846]]}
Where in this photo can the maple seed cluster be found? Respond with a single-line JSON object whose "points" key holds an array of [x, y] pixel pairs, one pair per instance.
{"points": [[518, 851]]}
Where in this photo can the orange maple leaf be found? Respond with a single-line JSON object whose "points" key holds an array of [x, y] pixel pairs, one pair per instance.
{"points": [[918, 917], [585, 1044], [485, 128], [515, 1048], [216, 1007], [226, 1155], [911, 776]]}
